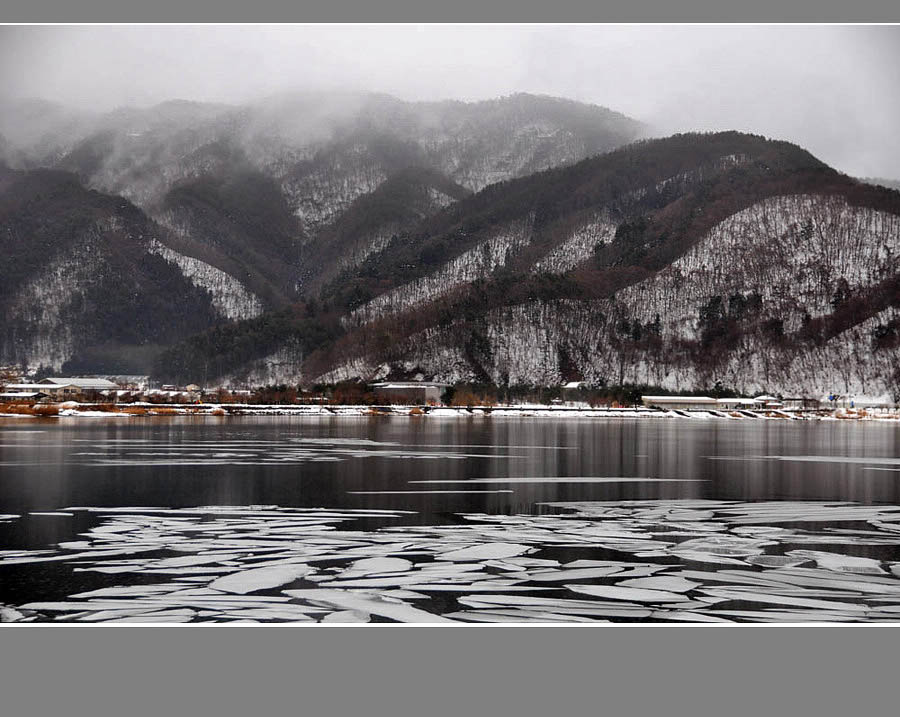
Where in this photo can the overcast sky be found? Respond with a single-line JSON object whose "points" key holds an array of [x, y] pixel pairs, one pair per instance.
{"points": [[834, 90]]}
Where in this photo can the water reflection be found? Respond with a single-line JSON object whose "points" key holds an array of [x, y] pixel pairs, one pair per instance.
{"points": [[374, 462]]}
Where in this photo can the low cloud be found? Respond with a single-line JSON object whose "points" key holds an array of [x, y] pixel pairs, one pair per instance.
{"points": [[831, 89]]}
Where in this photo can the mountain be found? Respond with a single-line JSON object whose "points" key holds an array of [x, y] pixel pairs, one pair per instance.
{"points": [[263, 204], [86, 283], [270, 193], [679, 263]]}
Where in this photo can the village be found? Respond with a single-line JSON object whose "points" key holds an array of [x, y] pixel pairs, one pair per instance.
{"points": [[135, 395]]}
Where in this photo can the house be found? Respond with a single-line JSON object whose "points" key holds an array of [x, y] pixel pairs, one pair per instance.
{"points": [[409, 392], [76, 387], [680, 402], [26, 388], [24, 396]]}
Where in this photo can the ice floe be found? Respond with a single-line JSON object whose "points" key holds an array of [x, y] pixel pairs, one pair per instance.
{"points": [[248, 581], [660, 560]]}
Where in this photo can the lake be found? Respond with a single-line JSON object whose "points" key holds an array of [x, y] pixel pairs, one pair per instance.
{"points": [[558, 519]]}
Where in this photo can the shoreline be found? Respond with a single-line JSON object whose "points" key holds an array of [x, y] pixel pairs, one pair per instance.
{"points": [[137, 410]]}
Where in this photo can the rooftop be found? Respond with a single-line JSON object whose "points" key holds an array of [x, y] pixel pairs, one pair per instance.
{"points": [[679, 399], [409, 384], [98, 384]]}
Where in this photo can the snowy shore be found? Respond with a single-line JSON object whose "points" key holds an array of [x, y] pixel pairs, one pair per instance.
{"points": [[71, 408]]}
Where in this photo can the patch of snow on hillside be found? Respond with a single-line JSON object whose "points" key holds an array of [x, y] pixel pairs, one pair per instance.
{"points": [[282, 366], [476, 263], [229, 297], [439, 199], [354, 368], [579, 247], [372, 244], [320, 197], [44, 303]]}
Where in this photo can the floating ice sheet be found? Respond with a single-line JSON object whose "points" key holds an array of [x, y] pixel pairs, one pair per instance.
{"points": [[367, 603], [248, 581], [229, 562], [614, 592], [488, 551]]}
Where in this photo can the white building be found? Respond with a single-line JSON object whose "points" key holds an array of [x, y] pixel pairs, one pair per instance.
{"points": [[410, 392], [65, 387], [680, 402]]}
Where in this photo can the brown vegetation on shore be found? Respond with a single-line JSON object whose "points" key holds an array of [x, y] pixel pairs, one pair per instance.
{"points": [[30, 409]]}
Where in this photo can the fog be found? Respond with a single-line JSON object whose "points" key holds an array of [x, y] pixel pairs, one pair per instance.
{"points": [[831, 89]]}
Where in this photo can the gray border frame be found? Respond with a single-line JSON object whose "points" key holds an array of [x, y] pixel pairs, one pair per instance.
{"points": [[481, 670], [537, 11], [430, 671]]}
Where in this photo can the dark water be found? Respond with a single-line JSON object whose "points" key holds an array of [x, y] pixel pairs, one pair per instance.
{"points": [[380, 463], [172, 462]]}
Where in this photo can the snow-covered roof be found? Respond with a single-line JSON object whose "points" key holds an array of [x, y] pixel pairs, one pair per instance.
{"points": [[574, 384], [679, 399], [16, 394], [27, 386], [409, 384], [95, 384]]}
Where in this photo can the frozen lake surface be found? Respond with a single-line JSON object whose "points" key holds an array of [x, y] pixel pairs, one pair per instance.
{"points": [[464, 520]]}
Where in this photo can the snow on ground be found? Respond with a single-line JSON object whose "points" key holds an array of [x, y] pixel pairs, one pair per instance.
{"points": [[791, 250], [46, 300], [580, 246], [473, 264], [229, 297], [793, 253], [136, 410]]}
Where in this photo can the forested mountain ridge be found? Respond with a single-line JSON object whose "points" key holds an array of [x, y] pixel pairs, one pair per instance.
{"points": [[84, 284], [268, 200], [677, 262], [525, 240]]}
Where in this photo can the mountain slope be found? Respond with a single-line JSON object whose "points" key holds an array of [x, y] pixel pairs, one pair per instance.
{"points": [[679, 262], [260, 191], [82, 286], [238, 221], [372, 220], [646, 204], [257, 205]]}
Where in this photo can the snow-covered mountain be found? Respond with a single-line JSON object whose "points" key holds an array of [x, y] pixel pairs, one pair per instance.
{"points": [[265, 201], [338, 237], [679, 263], [88, 282]]}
